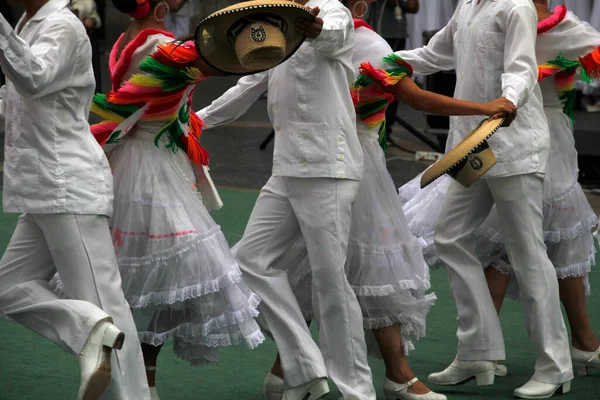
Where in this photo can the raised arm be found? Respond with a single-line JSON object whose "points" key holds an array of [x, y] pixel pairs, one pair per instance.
{"points": [[437, 56], [45, 66], [330, 32], [235, 101], [520, 64]]}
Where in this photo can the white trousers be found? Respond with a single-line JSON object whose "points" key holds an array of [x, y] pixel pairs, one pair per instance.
{"points": [[320, 210], [80, 248], [519, 203]]}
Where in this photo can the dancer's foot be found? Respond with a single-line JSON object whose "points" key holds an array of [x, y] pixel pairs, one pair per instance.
{"points": [[313, 390], [501, 369], [583, 360], [538, 390], [95, 359], [461, 371], [273, 387], [407, 391], [154, 393]]}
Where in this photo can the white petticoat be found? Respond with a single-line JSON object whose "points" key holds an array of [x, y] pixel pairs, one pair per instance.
{"points": [[568, 217], [385, 266], [175, 263]]}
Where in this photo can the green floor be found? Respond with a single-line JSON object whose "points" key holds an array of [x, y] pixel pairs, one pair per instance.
{"points": [[33, 368]]}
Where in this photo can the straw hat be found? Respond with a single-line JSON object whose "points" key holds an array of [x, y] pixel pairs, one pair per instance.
{"points": [[470, 159], [252, 36]]}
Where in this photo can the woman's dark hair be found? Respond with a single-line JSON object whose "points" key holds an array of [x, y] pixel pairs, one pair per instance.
{"points": [[125, 6], [129, 6]]}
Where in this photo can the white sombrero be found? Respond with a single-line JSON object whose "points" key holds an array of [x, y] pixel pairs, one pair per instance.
{"points": [[252, 36], [470, 159]]}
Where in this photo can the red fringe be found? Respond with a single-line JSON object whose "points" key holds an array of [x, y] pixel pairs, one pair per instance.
{"points": [[591, 64], [176, 55], [119, 67], [102, 131], [552, 21], [361, 23]]}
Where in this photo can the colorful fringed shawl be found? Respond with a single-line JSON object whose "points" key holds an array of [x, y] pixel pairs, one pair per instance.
{"points": [[163, 93], [564, 70], [370, 100]]}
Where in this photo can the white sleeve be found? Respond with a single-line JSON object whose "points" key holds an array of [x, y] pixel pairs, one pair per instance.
{"points": [[437, 56], [520, 64], [337, 24], [45, 66], [235, 101]]}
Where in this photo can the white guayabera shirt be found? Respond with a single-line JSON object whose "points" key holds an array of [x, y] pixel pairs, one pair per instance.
{"points": [[309, 103], [492, 47], [52, 163]]}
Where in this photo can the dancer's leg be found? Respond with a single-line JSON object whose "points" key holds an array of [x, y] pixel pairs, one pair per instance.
{"points": [[324, 211], [397, 368], [271, 231], [497, 284], [519, 203], [572, 296], [479, 333]]}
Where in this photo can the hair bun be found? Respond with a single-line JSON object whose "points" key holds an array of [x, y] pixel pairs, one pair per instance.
{"points": [[136, 8]]}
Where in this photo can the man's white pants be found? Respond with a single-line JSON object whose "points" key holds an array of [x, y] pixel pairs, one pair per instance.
{"points": [[519, 203], [320, 210], [80, 248]]}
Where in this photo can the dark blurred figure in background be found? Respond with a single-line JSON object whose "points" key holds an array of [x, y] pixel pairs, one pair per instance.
{"points": [[388, 18], [88, 12]]}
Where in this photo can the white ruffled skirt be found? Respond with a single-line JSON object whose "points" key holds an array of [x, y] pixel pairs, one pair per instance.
{"points": [[568, 217], [385, 266], [177, 269]]}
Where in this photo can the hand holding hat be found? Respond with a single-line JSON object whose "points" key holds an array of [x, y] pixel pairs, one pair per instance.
{"points": [[310, 29], [501, 108]]}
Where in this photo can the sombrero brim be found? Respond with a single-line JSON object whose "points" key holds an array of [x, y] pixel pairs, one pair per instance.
{"points": [[217, 51], [460, 153]]}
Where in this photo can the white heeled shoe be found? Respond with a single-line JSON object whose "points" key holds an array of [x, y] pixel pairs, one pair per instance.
{"points": [[399, 391], [154, 393], [313, 390], [501, 370], [583, 360], [95, 359], [538, 390], [461, 371], [273, 387]]}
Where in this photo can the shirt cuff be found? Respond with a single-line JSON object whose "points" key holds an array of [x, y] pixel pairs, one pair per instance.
{"points": [[511, 95]]}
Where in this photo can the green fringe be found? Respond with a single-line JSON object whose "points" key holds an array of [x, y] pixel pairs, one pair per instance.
{"points": [[567, 64], [124, 110], [172, 78], [383, 136]]}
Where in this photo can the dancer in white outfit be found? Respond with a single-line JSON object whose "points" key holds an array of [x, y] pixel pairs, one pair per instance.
{"points": [[492, 47], [57, 175], [317, 166], [385, 266], [567, 44]]}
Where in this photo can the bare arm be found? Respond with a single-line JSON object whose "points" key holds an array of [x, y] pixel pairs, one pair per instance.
{"points": [[408, 92]]}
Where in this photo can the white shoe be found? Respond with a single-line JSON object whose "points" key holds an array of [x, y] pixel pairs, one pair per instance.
{"points": [[399, 391], [583, 360], [501, 370], [273, 387], [154, 393], [538, 390], [460, 372], [95, 359], [313, 390]]}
